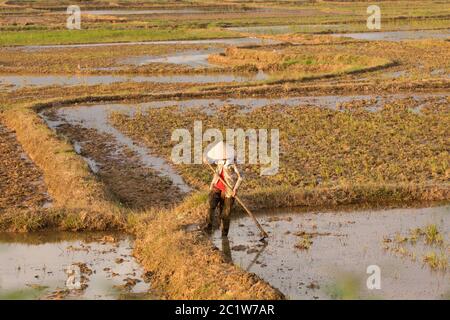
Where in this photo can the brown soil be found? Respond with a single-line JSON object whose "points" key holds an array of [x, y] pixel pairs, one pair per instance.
{"points": [[21, 182]]}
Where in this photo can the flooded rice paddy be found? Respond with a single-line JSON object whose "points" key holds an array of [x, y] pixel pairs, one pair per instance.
{"points": [[309, 255], [397, 35], [70, 266], [190, 58], [13, 82], [343, 245]]}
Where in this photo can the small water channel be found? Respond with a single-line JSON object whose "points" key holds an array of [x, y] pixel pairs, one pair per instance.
{"points": [[58, 265], [343, 245], [98, 112]]}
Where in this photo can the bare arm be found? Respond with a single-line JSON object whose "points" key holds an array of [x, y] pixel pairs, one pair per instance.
{"points": [[239, 179], [215, 178]]}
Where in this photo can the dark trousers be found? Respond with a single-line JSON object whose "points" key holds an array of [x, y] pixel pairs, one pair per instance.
{"points": [[217, 199]]}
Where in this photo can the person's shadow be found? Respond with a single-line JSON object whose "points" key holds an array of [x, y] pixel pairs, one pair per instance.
{"points": [[226, 250]]}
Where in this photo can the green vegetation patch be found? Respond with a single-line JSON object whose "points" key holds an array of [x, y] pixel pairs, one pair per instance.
{"points": [[41, 37]]}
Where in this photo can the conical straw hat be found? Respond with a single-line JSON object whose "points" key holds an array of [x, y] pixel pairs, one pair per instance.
{"points": [[220, 151]]}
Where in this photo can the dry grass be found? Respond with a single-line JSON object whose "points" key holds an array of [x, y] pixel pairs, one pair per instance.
{"points": [[304, 243], [436, 261], [293, 62]]}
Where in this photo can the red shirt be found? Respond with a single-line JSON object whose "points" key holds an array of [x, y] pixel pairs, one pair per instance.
{"points": [[220, 185]]}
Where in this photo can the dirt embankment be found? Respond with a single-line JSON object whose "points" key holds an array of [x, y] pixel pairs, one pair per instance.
{"points": [[195, 269]]}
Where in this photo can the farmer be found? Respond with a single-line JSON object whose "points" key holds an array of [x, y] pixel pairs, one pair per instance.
{"points": [[222, 194]]}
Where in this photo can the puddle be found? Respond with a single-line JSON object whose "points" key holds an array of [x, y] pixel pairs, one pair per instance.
{"points": [[16, 82], [398, 35], [93, 165], [345, 244], [244, 41], [36, 266], [96, 117]]}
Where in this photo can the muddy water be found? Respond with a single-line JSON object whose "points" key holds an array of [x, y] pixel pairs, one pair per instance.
{"points": [[37, 266], [96, 117], [211, 105], [398, 35], [17, 82], [345, 244], [193, 59]]}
